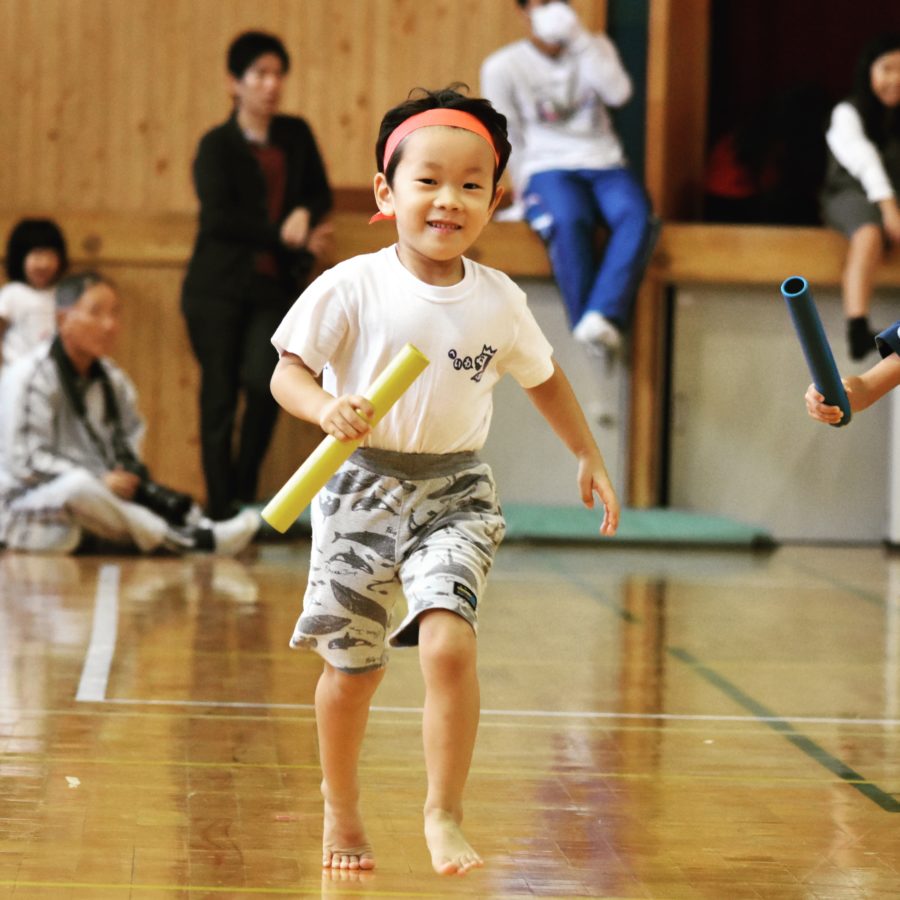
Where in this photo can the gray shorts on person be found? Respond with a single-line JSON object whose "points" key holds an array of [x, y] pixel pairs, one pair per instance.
{"points": [[426, 524], [847, 210], [845, 206]]}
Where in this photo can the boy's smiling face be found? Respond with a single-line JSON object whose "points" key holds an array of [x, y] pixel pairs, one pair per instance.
{"points": [[442, 197]]}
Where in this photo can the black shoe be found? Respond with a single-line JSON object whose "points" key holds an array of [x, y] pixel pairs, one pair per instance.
{"points": [[860, 337], [227, 538], [190, 539]]}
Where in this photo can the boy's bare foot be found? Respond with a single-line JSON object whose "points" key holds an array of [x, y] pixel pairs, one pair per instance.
{"points": [[344, 844], [451, 853]]}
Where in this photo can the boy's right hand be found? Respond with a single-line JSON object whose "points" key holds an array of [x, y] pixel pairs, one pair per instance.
{"points": [[347, 418], [815, 406]]}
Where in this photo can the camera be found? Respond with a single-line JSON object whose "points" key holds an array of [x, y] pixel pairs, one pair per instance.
{"points": [[172, 505]]}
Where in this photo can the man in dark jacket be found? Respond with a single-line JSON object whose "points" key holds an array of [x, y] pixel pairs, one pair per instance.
{"points": [[264, 199]]}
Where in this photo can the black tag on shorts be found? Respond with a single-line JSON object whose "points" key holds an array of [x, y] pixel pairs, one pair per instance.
{"points": [[466, 593]]}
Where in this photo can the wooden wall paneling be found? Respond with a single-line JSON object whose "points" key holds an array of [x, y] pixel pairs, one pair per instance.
{"points": [[20, 87], [345, 111], [644, 475], [120, 131], [677, 77], [11, 124], [109, 99], [593, 13], [85, 103], [49, 49]]}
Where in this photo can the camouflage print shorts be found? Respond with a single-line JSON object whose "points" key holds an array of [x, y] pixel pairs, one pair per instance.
{"points": [[428, 524]]}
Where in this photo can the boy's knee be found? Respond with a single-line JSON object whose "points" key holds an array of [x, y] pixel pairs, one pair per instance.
{"points": [[447, 642]]}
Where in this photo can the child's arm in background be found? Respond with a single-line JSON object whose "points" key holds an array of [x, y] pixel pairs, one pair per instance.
{"points": [[556, 402], [295, 388], [862, 390]]}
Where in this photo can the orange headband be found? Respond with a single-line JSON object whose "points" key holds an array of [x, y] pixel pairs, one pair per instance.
{"points": [[455, 118]]}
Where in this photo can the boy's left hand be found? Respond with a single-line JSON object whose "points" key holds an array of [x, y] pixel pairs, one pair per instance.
{"points": [[593, 478]]}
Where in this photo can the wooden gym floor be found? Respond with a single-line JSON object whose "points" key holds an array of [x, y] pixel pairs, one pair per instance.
{"points": [[680, 724]]}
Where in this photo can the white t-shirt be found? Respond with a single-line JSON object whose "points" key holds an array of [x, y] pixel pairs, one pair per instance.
{"points": [[555, 107], [31, 315], [352, 320]]}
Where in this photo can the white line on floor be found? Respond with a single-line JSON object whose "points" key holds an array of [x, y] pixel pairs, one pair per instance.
{"points": [[526, 713], [95, 674]]}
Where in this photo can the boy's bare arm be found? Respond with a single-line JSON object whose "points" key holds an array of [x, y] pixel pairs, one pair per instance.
{"points": [[556, 402], [295, 388]]}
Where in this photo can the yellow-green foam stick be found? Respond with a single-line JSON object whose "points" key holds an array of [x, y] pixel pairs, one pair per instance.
{"points": [[282, 510]]}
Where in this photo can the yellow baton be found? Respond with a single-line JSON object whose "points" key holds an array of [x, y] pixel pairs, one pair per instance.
{"points": [[284, 508]]}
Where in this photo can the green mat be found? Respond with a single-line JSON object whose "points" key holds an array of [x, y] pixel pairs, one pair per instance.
{"points": [[575, 523], [636, 526]]}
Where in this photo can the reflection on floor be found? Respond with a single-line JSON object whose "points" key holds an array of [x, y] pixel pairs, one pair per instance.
{"points": [[656, 724]]}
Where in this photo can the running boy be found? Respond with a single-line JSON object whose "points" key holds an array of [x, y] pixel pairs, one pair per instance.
{"points": [[414, 508]]}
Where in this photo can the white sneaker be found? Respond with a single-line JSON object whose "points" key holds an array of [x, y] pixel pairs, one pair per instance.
{"points": [[593, 328], [234, 534]]}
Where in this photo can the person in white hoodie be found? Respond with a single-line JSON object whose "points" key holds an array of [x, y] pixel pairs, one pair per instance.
{"points": [[568, 167], [859, 197]]}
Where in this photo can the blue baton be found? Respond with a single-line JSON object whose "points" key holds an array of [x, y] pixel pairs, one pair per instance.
{"points": [[816, 349]]}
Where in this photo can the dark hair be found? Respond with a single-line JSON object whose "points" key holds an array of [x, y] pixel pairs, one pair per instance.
{"points": [[420, 100], [880, 124], [248, 47], [71, 288], [33, 234]]}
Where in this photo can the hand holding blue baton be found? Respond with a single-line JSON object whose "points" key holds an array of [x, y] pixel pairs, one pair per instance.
{"points": [[816, 349]]}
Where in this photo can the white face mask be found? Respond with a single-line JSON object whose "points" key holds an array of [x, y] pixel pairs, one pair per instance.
{"points": [[553, 23]]}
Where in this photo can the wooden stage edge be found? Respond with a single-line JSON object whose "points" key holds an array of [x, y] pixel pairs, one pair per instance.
{"points": [[687, 253]]}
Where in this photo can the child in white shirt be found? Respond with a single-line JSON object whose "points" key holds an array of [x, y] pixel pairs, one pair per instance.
{"points": [[36, 259], [414, 507]]}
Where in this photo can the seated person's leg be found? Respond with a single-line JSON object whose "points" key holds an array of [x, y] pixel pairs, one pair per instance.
{"points": [[101, 513], [626, 210], [864, 255], [853, 214], [559, 207], [56, 516]]}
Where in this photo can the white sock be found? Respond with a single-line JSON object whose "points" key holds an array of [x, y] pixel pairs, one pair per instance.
{"points": [[234, 534], [593, 328]]}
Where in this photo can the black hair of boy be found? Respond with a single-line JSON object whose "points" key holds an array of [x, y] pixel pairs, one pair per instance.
{"points": [[421, 100], [879, 127], [71, 288], [248, 47], [33, 234]]}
